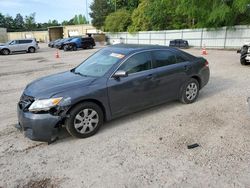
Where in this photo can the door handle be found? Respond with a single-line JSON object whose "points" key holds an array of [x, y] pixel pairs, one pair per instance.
{"points": [[150, 76], [187, 67]]}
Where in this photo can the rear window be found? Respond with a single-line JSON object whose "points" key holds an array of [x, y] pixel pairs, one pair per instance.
{"points": [[24, 41], [163, 58]]}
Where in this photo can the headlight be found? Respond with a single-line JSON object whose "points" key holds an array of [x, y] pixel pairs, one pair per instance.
{"points": [[44, 104]]}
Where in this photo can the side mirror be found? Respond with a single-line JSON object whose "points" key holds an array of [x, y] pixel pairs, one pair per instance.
{"points": [[238, 51], [120, 73]]}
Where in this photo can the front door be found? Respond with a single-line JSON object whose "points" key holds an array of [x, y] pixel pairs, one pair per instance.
{"points": [[134, 92], [14, 46]]}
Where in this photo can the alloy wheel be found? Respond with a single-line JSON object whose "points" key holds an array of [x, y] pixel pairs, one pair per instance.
{"points": [[86, 121], [191, 91]]}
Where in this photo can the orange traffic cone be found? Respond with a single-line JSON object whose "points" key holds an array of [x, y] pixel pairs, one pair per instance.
{"points": [[204, 51], [57, 54]]}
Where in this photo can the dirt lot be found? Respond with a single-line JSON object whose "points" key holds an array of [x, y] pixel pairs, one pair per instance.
{"points": [[146, 149]]}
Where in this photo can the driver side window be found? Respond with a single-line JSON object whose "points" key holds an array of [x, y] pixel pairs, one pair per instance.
{"points": [[13, 42], [137, 63]]}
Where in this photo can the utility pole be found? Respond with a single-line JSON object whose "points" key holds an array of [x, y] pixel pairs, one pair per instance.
{"points": [[87, 14]]}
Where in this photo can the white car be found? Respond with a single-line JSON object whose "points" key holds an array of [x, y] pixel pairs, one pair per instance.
{"points": [[22, 45]]}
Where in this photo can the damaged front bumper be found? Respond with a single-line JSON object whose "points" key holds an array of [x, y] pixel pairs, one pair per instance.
{"points": [[39, 127]]}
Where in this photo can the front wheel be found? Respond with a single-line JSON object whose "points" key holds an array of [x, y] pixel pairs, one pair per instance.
{"points": [[31, 50], [65, 47], [189, 91], [243, 61], [84, 120], [5, 52]]}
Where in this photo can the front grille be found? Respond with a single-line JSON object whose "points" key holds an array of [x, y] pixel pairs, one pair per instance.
{"points": [[25, 102]]}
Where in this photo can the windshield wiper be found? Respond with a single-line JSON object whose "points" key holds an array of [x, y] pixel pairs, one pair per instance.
{"points": [[80, 74]]}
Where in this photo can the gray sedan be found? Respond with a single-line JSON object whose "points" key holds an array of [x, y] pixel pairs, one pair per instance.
{"points": [[115, 81]]}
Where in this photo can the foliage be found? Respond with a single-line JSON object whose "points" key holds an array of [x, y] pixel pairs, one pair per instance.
{"points": [[118, 21], [173, 14], [100, 10], [28, 23], [79, 19], [214, 13], [127, 4]]}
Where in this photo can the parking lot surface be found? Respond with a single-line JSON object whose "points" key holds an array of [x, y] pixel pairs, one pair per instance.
{"points": [[145, 149]]}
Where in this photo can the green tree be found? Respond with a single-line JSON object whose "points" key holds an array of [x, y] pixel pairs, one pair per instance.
{"points": [[30, 23], [82, 19], [124, 4], [76, 20], [9, 23], [100, 10], [118, 21], [2, 20], [214, 13], [19, 22], [155, 15]]}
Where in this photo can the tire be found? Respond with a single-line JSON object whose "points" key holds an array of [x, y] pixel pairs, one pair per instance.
{"points": [[91, 46], [31, 50], [243, 62], [74, 48], [65, 48], [189, 91], [80, 122], [5, 51]]}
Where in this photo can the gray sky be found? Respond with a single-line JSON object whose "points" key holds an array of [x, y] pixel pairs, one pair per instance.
{"points": [[45, 9]]}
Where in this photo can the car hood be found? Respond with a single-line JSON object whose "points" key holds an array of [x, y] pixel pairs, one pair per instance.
{"points": [[48, 86]]}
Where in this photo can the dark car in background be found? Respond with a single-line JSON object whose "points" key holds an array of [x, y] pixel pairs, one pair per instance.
{"points": [[52, 43], [115, 81], [60, 44], [245, 54], [84, 43], [179, 43]]}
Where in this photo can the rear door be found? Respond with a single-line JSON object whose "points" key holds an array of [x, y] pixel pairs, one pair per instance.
{"points": [[134, 92], [24, 44], [171, 72]]}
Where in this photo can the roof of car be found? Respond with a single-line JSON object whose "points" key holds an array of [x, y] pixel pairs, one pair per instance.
{"points": [[129, 48]]}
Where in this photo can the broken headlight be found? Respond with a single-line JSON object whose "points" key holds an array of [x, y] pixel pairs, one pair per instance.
{"points": [[44, 104]]}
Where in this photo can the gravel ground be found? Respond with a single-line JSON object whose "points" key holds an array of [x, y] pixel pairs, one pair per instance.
{"points": [[146, 149]]}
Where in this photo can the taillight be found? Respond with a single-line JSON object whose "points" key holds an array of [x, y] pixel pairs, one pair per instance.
{"points": [[206, 64]]}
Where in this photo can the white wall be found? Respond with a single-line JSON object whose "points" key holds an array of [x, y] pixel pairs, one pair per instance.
{"points": [[211, 38]]}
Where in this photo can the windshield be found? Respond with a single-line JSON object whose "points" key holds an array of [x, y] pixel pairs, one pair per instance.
{"points": [[99, 63], [10, 42]]}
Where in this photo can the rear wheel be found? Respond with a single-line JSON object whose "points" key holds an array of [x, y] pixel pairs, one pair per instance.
{"points": [[5, 51], [85, 120], [189, 91], [31, 50], [91, 46]]}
